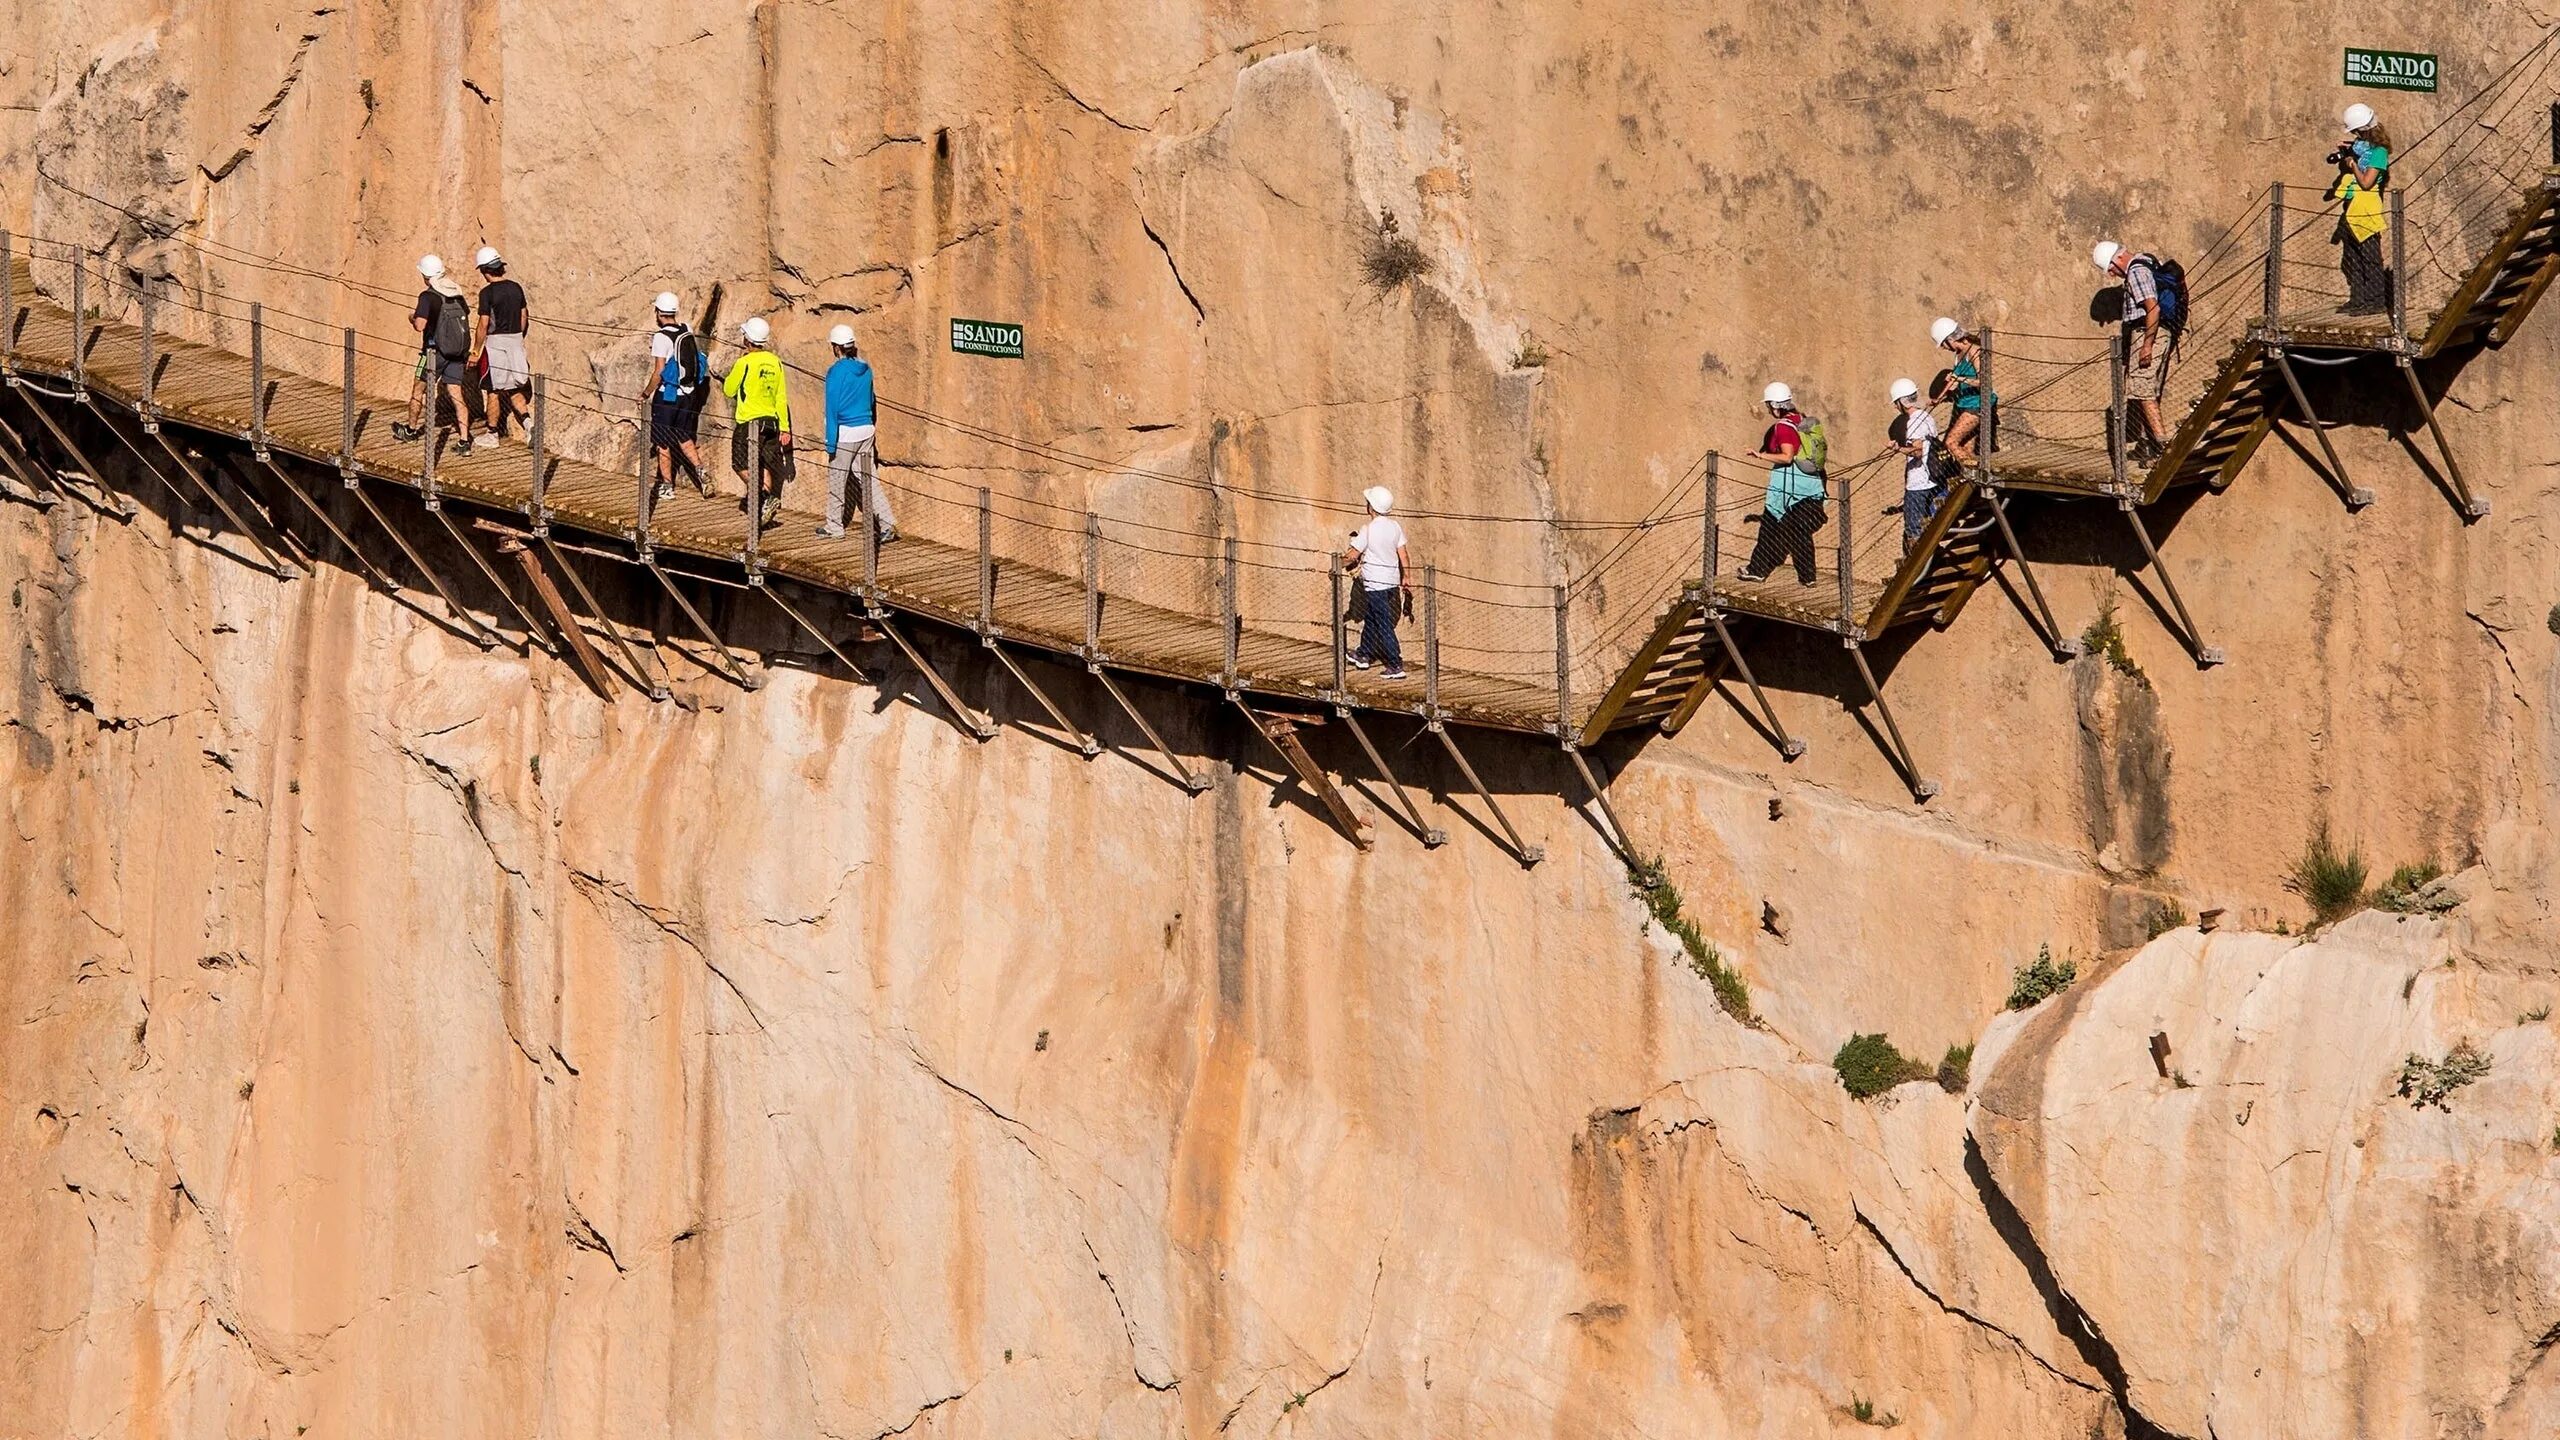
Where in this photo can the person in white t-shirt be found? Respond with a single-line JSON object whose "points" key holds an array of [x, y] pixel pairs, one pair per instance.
{"points": [[1915, 435], [1377, 548]]}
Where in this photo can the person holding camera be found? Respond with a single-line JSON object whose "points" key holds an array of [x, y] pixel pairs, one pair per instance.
{"points": [[2363, 159]]}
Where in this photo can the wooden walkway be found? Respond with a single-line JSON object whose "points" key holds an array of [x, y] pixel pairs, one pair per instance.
{"points": [[208, 389]]}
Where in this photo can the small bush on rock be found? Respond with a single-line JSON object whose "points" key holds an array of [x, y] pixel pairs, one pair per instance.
{"points": [[1869, 1066], [1393, 258], [2329, 878], [1955, 1072], [2412, 890], [2041, 980], [1662, 901], [2425, 1082]]}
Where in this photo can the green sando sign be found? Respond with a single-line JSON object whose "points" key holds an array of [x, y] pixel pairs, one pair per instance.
{"points": [[2391, 70], [987, 337]]}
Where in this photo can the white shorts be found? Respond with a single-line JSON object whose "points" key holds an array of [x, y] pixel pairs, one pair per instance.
{"points": [[508, 368], [855, 434]]}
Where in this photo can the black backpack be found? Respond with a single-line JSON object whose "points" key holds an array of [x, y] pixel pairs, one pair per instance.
{"points": [[452, 328], [2172, 283]]}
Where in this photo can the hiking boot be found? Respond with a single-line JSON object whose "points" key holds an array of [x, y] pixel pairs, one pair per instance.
{"points": [[405, 433]]}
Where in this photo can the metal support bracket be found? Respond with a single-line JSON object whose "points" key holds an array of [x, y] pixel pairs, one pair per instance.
{"points": [[2064, 647], [786, 607], [730, 665], [579, 653], [532, 628], [968, 719], [1086, 745], [2205, 655], [652, 681], [1433, 837], [1789, 746], [1921, 789], [1528, 855], [2473, 507], [1281, 732], [481, 634], [1192, 782], [280, 568], [106, 499], [2356, 496], [373, 573], [1619, 839]]}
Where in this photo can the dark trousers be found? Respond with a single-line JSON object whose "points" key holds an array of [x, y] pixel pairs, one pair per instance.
{"points": [[755, 445], [1787, 537], [1379, 610], [1919, 507], [2368, 279]]}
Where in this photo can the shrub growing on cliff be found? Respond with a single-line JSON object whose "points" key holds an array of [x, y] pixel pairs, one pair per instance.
{"points": [[1393, 258], [2105, 639], [2042, 980], [2330, 879], [1869, 1066], [2425, 1082], [2405, 893], [1955, 1072], [1662, 901]]}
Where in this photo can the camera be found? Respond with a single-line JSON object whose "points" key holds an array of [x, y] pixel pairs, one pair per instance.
{"points": [[2342, 154]]}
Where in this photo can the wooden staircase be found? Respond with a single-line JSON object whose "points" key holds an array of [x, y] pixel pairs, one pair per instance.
{"points": [[2224, 429], [2503, 289]]}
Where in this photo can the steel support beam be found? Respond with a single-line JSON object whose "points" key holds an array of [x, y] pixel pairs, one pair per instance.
{"points": [[1789, 746], [1281, 733], [106, 499], [1192, 782], [968, 719], [2473, 507], [532, 628], [1528, 855], [1086, 745], [2190, 636], [481, 634], [579, 654], [1618, 838], [373, 572], [282, 569], [2064, 647], [804, 622], [652, 681], [729, 663], [1432, 836], [2356, 496], [1921, 789]]}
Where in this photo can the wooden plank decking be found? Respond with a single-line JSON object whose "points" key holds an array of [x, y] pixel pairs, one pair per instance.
{"points": [[208, 389]]}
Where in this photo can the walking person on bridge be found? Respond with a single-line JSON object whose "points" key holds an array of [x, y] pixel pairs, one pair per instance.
{"points": [[760, 412], [505, 370], [852, 433], [2364, 172], [1963, 385], [1796, 452], [2155, 314], [1915, 436], [442, 318], [1378, 548], [679, 384]]}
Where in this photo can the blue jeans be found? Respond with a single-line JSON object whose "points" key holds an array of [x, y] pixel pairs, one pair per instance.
{"points": [[1919, 507], [1379, 610]]}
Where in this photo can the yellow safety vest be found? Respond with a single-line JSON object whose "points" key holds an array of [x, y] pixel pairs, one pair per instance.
{"points": [[756, 390]]}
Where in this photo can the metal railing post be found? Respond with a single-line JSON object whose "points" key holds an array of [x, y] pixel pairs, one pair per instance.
{"points": [[2399, 281], [427, 452], [754, 496], [258, 379], [1982, 394], [986, 562], [1231, 609], [1333, 574], [347, 404], [1848, 589], [150, 409], [79, 321], [2273, 308], [2119, 435], [1092, 586], [1431, 643], [2555, 132], [1710, 542], [8, 294], [1564, 673], [645, 513], [538, 509]]}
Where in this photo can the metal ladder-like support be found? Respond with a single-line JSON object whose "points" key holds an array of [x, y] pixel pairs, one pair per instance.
{"points": [[2206, 656]]}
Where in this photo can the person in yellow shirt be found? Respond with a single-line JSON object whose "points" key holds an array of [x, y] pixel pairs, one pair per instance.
{"points": [[760, 410], [2364, 172]]}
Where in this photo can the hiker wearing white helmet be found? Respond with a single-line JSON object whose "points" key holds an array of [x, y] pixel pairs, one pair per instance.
{"points": [[678, 384], [442, 318], [1797, 453], [1961, 384], [1386, 584], [1914, 435], [2155, 314], [852, 434], [505, 369], [760, 413], [2363, 159]]}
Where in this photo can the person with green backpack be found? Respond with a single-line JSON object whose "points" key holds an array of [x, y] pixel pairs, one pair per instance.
{"points": [[1797, 450]]}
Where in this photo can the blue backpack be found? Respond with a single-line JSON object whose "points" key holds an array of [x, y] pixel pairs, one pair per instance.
{"points": [[2172, 283]]}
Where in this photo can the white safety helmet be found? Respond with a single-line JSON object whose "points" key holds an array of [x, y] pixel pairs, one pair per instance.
{"points": [[841, 335], [1942, 330], [1777, 394], [2359, 117], [756, 330], [430, 266], [486, 259], [2104, 253], [1905, 389], [1380, 499], [666, 302]]}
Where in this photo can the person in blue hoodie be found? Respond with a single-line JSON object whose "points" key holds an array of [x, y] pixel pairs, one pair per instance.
{"points": [[852, 435]]}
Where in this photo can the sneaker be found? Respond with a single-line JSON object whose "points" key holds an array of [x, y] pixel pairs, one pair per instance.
{"points": [[888, 533], [830, 532], [1746, 576], [666, 490], [1397, 674], [1359, 662], [405, 433], [484, 442]]}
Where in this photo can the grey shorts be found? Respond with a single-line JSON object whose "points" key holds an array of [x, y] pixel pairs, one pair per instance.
{"points": [[2151, 381]]}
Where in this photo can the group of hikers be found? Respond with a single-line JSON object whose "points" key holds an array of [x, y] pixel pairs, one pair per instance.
{"points": [[459, 353], [2153, 318]]}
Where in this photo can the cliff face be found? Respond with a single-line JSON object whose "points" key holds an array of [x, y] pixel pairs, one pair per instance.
{"points": [[401, 1030]]}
